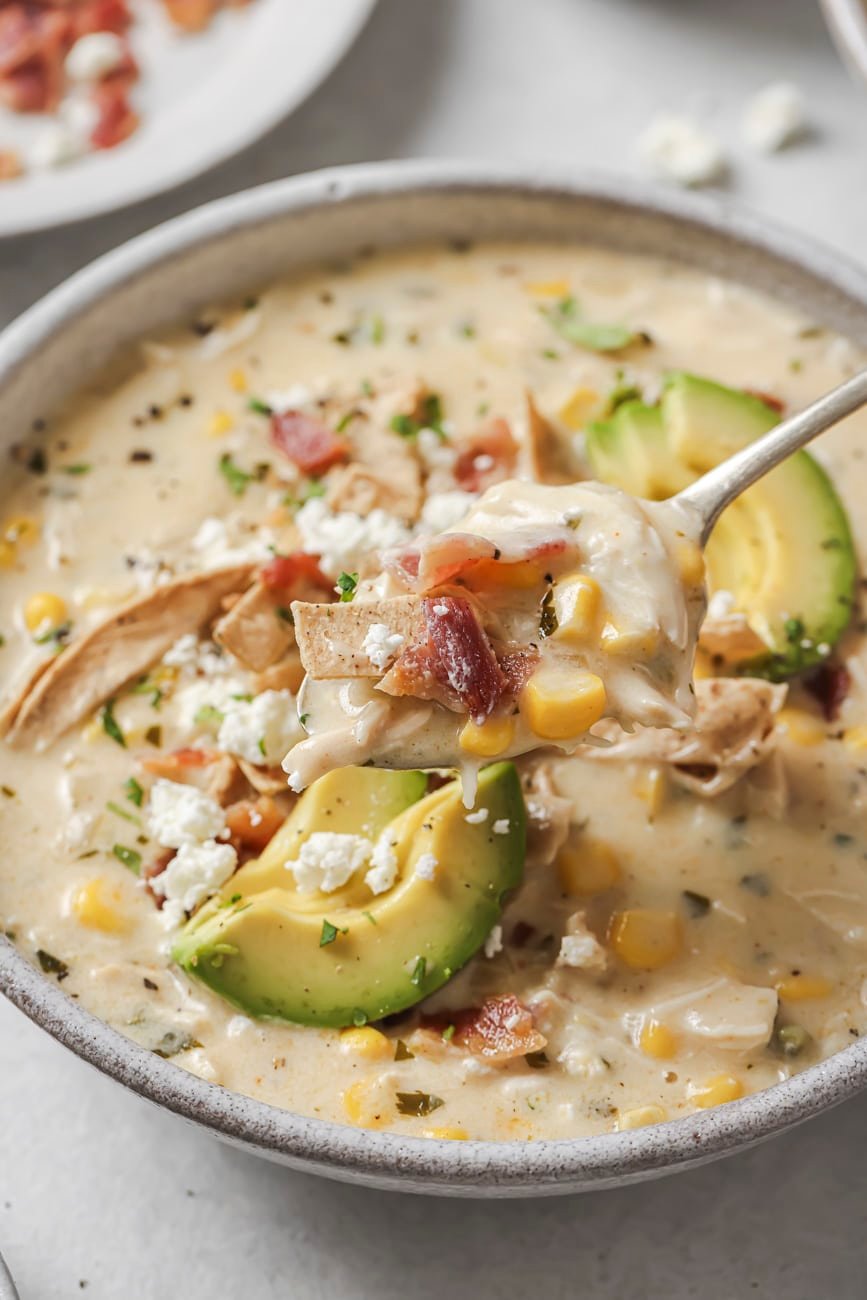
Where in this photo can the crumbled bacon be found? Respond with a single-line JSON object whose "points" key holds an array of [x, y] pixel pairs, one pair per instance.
{"points": [[499, 1030], [252, 824], [829, 685], [462, 657], [449, 555], [517, 667], [285, 572], [116, 118], [33, 46], [10, 164], [101, 16], [307, 442], [178, 761], [490, 457]]}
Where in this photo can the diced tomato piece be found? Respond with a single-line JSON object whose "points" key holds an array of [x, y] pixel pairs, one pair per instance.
{"points": [[490, 457], [253, 823], [117, 120], [829, 685], [178, 761], [286, 571], [499, 1030], [307, 442], [462, 657]]}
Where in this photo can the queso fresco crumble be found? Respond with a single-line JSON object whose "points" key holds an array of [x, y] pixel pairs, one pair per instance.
{"points": [[268, 534]]}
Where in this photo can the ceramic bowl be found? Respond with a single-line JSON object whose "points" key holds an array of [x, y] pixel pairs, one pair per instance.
{"points": [[170, 273], [847, 20]]}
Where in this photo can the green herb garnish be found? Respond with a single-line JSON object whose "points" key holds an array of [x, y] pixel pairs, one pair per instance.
{"points": [[330, 933], [418, 972], [76, 469], [548, 622], [696, 904], [174, 1042], [208, 715], [130, 858], [236, 478], [154, 736], [345, 586], [134, 791], [258, 407], [566, 318], [52, 965], [123, 812], [402, 1052], [110, 724], [429, 415]]}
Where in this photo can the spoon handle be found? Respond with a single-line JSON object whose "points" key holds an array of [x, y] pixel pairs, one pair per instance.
{"points": [[715, 490]]}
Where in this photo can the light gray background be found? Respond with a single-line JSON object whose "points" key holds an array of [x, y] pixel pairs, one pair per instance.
{"points": [[104, 1197]]}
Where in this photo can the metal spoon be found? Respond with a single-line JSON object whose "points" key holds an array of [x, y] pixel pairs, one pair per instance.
{"points": [[717, 489]]}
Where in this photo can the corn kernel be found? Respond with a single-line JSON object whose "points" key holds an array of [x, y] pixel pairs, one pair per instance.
{"points": [[801, 727], [447, 1133], [548, 288], [651, 787], [361, 1102], [642, 641], [801, 988], [855, 739], [646, 938], [238, 381], [366, 1042], [690, 562], [44, 609], [658, 1041], [717, 1091], [92, 731], [587, 867], [576, 604], [220, 422], [522, 575], [640, 1117], [561, 705], [491, 738], [21, 530], [8, 553], [91, 906], [580, 408]]}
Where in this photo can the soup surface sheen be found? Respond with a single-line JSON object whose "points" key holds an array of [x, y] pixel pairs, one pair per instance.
{"points": [[687, 931]]}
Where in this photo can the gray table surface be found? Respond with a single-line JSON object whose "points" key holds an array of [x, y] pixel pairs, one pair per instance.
{"points": [[103, 1196]]}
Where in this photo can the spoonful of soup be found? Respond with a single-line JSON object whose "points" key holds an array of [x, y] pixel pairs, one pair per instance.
{"points": [[543, 611]]}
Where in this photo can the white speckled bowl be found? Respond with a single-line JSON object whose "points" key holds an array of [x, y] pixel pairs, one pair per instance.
{"points": [[7, 1286], [241, 241]]}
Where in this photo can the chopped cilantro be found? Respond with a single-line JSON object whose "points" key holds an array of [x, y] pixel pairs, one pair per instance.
{"points": [[173, 1042], [285, 615], [110, 725], [418, 972], [123, 812], [566, 318], [302, 718], [52, 965], [207, 716], [56, 636], [346, 584], [260, 745], [368, 915], [134, 792], [449, 1033], [402, 1052], [236, 478], [794, 630], [258, 407], [330, 933], [76, 469], [428, 415], [130, 858]]}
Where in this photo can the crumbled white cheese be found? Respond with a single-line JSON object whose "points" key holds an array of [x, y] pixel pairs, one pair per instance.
{"points": [[194, 873], [677, 149], [501, 826], [442, 510], [261, 730], [582, 951], [483, 462], [184, 653], [327, 860], [76, 832], [294, 779], [290, 399], [342, 538], [721, 604], [426, 867], [182, 814], [239, 1025], [476, 818], [380, 645], [228, 336], [441, 610], [217, 550], [55, 146], [434, 451], [93, 56], [494, 942], [774, 117], [383, 866]]}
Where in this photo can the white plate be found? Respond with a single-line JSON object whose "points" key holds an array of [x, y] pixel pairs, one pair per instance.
{"points": [[202, 98]]}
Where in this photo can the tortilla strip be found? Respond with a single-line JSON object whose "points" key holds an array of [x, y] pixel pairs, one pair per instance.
{"points": [[253, 630], [121, 648], [547, 450], [331, 637]]}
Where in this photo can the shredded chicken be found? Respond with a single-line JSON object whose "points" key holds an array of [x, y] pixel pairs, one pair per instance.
{"points": [[734, 733], [125, 645], [549, 816]]}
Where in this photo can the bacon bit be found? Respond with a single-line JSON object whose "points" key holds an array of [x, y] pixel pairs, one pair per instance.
{"points": [[179, 761], [33, 46], [829, 685], [117, 119], [307, 442], [517, 667], [462, 658], [499, 1030], [191, 15], [775, 403], [10, 165], [101, 16], [253, 823], [285, 572], [490, 457]]}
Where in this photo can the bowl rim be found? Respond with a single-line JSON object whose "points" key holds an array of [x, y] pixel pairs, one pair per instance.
{"points": [[542, 1167]]}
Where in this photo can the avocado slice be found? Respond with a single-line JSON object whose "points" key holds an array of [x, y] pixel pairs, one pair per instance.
{"points": [[272, 952], [784, 549]]}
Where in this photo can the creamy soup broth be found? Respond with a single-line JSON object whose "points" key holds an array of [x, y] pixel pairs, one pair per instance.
{"points": [[765, 882]]}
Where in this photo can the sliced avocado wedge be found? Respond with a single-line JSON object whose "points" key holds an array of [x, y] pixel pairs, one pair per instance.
{"points": [[784, 549], [347, 957]]}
